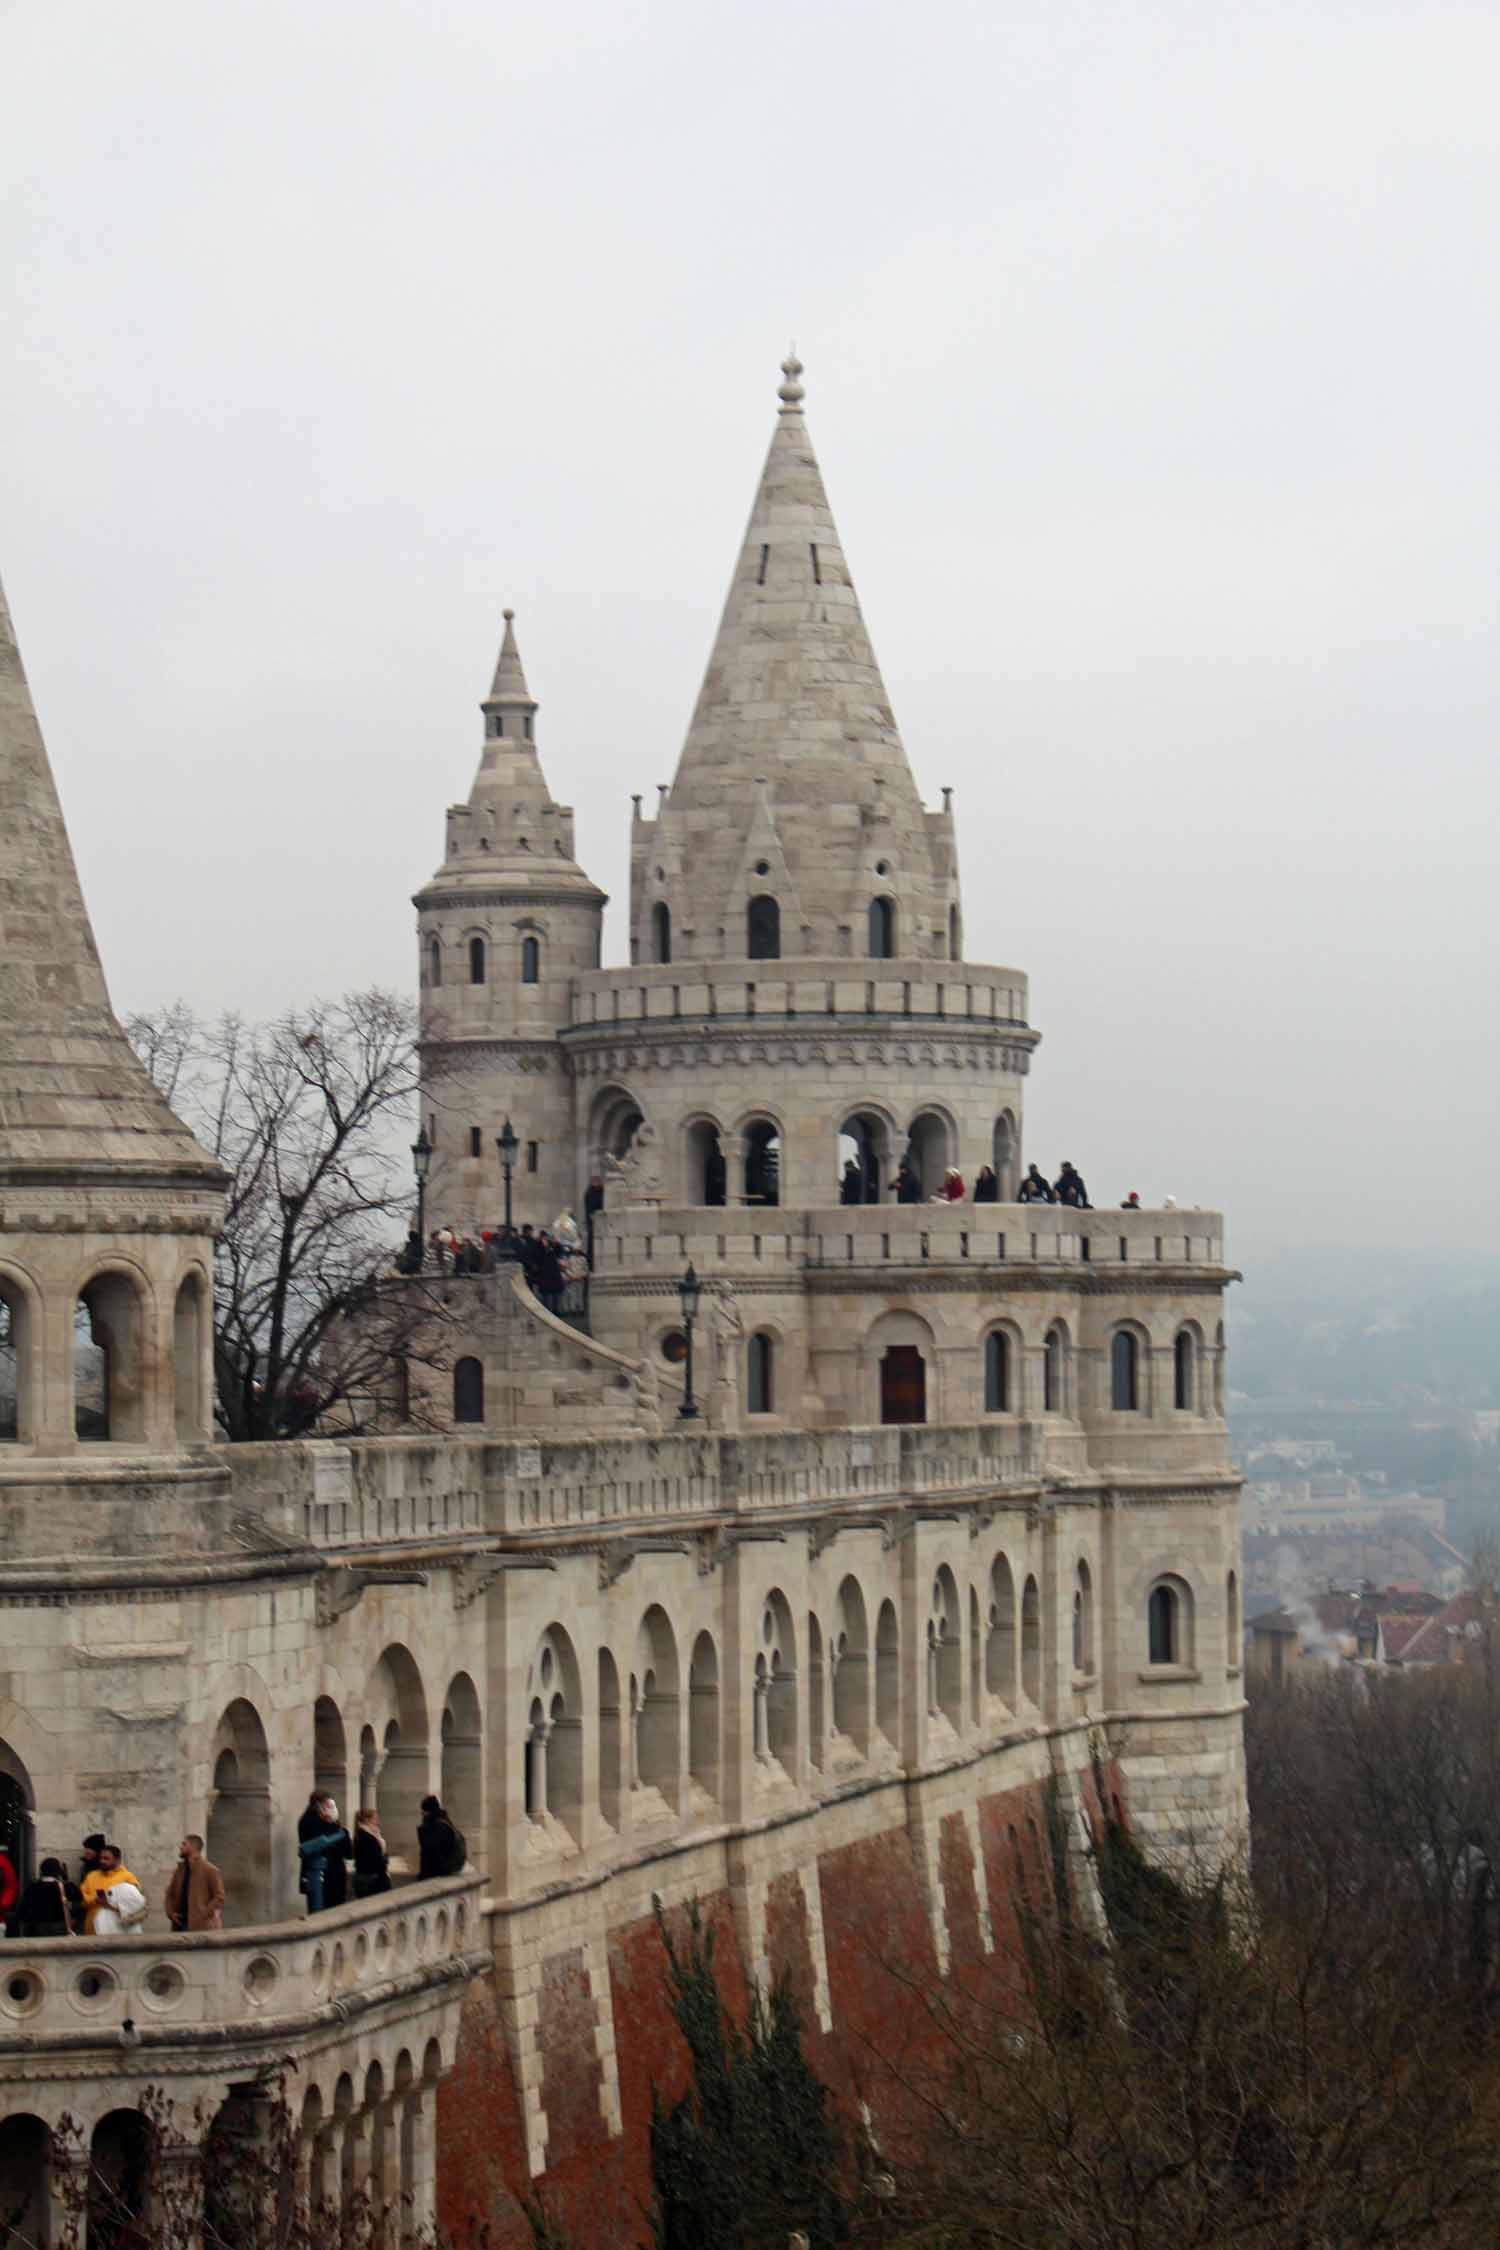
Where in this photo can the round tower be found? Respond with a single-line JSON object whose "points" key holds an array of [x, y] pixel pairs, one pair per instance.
{"points": [[504, 928]]}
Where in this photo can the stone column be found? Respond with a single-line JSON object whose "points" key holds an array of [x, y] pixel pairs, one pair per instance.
{"points": [[419, 2161], [356, 2158]]}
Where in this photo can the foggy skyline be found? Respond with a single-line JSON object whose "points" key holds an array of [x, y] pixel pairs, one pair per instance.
{"points": [[1151, 359]]}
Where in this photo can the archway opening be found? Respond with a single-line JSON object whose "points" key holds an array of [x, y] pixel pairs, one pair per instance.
{"points": [[762, 1149], [763, 929], [462, 1783], [617, 1118], [903, 1384], [554, 1750], [863, 1156], [1185, 1372], [25, 2182], [610, 1738], [330, 1753], [927, 1150], [776, 1670], [468, 1390], [945, 1693], [661, 931], [708, 1174], [1031, 1642], [888, 1675], [238, 1838], [109, 1404], [15, 1366], [1000, 1642], [882, 929], [851, 1667], [703, 1718], [188, 1356], [397, 1701], [17, 1804], [817, 1708], [119, 2170], [658, 1719]]}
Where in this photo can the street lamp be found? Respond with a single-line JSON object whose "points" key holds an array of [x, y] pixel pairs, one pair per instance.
{"points": [[421, 1164], [689, 1290], [507, 1144]]}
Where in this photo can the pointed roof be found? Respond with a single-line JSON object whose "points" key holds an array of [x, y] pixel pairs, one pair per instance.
{"points": [[792, 683], [511, 831], [73, 1093], [509, 684], [793, 727]]}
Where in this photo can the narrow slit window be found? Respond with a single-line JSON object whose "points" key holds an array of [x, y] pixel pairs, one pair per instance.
{"points": [[533, 1155], [476, 1141], [765, 556], [817, 571]]}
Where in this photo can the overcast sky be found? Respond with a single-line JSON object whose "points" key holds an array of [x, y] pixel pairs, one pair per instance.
{"points": [[1152, 364]]}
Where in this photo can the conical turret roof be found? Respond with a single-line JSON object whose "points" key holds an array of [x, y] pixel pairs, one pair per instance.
{"points": [[73, 1093], [792, 725]]}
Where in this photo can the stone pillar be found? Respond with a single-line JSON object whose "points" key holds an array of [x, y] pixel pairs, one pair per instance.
{"points": [[762, 1730], [387, 2217], [418, 2143], [356, 2164]]}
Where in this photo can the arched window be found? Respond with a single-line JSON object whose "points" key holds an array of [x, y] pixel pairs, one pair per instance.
{"points": [[1169, 1623], [955, 935], [1031, 1642], [434, 960], [996, 1372], [14, 1368], [109, 1402], [1184, 1372], [762, 1162], [760, 1375], [661, 930], [468, 1390], [1083, 1620], [476, 960], [882, 929], [1052, 1372], [531, 961], [763, 929], [1124, 1372]]}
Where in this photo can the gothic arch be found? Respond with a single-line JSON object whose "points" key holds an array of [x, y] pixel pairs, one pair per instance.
{"points": [[554, 1733], [774, 1684], [21, 1363], [462, 1735], [238, 1828], [117, 1299], [850, 1656], [703, 1717], [658, 1706]]}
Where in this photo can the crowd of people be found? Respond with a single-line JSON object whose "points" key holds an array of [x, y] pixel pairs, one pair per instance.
{"points": [[551, 1258], [334, 1862], [107, 1899], [856, 1185]]}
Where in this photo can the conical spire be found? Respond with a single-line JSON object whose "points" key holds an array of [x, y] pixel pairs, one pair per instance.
{"points": [[509, 684], [793, 714], [72, 1091]]}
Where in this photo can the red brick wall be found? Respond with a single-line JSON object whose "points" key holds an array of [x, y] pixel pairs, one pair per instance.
{"points": [[881, 1962]]}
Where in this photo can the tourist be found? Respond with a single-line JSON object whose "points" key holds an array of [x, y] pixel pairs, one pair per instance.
{"points": [[952, 1189], [593, 1204], [852, 1185], [1068, 1187], [195, 1895], [323, 1846], [1034, 1188], [410, 1260], [88, 1856], [10, 1885], [371, 1860], [440, 1848], [50, 1906], [908, 1188], [1132, 1201], [986, 1187], [119, 1902], [548, 1280], [565, 1231]]}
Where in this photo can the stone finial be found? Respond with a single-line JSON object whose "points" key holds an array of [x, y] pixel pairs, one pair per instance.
{"points": [[791, 393]]}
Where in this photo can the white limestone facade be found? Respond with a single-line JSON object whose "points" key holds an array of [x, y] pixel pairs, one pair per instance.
{"points": [[952, 1523]]}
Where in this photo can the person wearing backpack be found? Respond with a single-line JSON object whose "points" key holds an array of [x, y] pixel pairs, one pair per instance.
{"points": [[441, 1849]]}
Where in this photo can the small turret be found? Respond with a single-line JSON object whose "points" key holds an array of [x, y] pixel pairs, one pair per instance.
{"points": [[504, 927]]}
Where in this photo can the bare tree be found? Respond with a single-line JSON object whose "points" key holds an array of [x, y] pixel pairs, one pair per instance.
{"points": [[308, 1115]]}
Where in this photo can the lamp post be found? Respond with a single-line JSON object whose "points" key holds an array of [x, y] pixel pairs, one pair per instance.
{"points": [[507, 1144], [689, 1290], [421, 1164]]}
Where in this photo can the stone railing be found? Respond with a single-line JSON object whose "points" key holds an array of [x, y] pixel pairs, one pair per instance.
{"points": [[631, 1241], [521, 1486], [220, 1984], [702, 993]]}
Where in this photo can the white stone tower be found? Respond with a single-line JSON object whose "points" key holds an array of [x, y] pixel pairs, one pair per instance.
{"points": [[504, 927]]}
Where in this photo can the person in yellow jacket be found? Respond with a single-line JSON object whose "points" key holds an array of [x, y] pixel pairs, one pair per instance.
{"points": [[100, 1881]]}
